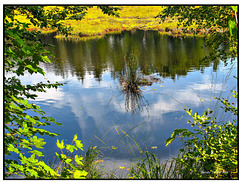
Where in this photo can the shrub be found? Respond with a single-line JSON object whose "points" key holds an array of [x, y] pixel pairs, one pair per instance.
{"points": [[211, 148]]}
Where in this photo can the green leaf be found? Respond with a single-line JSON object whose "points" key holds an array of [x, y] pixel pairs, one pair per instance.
{"points": [[235, 8], [78, 160], [75, 137], [48, 169], [11, 148], [79, 174], [60, 145], [79, 144], [231, 26], [189, 112], [38, 153], [63, 156], [15, 107], [38, 142], [68, 160], [71, 148], [31, 68], [168, 141], [57, 155], [31, 119], [33, 173], [177, 132], [46, 59]]}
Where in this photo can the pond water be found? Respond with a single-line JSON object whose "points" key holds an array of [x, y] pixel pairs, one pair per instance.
{"points": [[96, 103]]}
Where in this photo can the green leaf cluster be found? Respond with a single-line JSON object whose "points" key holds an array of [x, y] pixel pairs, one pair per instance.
{"points": [[24, 122], [70, 167], [211, 149]]}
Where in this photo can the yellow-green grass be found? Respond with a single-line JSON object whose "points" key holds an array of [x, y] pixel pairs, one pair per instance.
{"points": [[95, 24]]}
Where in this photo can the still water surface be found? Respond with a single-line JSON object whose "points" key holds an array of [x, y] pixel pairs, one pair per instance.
{"points": [[94, 104]]}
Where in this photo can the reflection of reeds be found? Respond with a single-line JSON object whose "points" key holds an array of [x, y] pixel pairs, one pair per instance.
{"points": [[130, 81], [134, 99]]}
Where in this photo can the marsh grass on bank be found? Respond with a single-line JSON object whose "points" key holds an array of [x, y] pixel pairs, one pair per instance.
{"points": [[151, 167], [95, 24]]}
